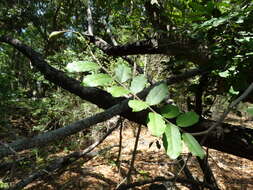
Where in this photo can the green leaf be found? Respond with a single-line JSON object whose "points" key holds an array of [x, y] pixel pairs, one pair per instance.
{"points": [[82, 66], [156, 124], [214, 22], [138, 83], [193, 145], [3, 185], [250, 110], [219, 21], [172, 141], [152, 2], [56, 33], [123, 73], [232, 91], [249, 54], [157, 94], [137, 105], [187, 119], [97, 80], [117, 91], [224, 74], [170, 111]]}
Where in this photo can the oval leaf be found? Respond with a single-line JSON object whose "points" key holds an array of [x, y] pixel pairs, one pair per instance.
{"points": [[137, 105], [138, 83], [224, 74], [56, 33], [82, 66], [156, 124], [117, 91], [97, 80], [157, 94], [170, 111], [193, 145], [187, 119], [172, 141], [123, 73]]}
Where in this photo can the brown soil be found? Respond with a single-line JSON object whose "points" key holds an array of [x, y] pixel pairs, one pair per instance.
{"points": [[101, 172]]}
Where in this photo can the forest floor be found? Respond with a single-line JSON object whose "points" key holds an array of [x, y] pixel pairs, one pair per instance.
{"points": [[102, 172]]}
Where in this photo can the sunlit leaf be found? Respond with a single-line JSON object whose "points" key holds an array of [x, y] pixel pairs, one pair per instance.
{"points": [[56, 33], [97, 80], [187, 119], [224, 74], [157, 94], [138, 83], [172, 141], [123, 73], [117, 91], [137, 105], [193, 145], [214, 22], [3, 185], [219, 21], [249, 54], [154, 2], [232, 91], [170, 111], [156, 124], [82, 66]]}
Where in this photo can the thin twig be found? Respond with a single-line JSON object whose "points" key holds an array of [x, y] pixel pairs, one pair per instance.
{"points": [[226, 112], [187, 172], [208, 174], [16, 157], [120, 144], [133, 155], [126, 58], [10, 148]]}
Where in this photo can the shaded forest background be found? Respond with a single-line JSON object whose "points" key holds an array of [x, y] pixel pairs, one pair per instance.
{"points": [[53, 124]]}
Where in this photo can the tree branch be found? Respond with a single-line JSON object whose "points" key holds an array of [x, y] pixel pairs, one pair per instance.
{"points": [[237, 140], [65, 161], [94, 95], [160, 179], [173, 46], [52, 136]]}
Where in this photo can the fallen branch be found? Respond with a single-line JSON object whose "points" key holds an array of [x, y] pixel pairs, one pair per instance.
{"points": [[52, 136], [183, 181], [66, 161]]}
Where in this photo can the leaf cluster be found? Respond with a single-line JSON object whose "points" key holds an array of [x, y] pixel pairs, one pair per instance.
{"points": [[158, 125]]}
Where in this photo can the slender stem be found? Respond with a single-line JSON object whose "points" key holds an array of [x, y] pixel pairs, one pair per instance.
{"points": [[133, 154], [120, 144]]}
